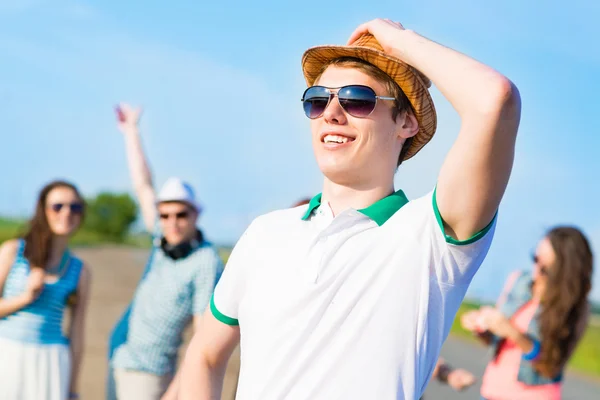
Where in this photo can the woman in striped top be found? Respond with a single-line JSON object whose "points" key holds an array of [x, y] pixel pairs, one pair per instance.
{"points": [[39, 280]]}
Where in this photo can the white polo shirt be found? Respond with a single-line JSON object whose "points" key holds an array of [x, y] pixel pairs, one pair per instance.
{"points": [[351, 307]]}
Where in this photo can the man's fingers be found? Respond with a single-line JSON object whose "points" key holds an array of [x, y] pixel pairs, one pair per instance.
{"points": [[127, 113], [375, 27], [358, 32]]}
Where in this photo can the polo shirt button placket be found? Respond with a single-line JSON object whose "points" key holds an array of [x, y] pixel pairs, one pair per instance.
{"points": [[315, 258], [308, 270], [322, 250]]}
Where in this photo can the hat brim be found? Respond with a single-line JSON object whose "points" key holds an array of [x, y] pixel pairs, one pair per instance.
{"points": [[196, 206], [413, 83]]}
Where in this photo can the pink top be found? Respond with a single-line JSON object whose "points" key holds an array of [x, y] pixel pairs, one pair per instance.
{"points": [[500, 378]]}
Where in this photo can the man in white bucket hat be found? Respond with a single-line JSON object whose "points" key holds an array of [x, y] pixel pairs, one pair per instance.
{"points": [[175, 288]]}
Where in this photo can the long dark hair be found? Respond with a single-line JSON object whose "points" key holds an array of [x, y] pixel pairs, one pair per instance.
{"points": [[38, 235], [564, 301]]}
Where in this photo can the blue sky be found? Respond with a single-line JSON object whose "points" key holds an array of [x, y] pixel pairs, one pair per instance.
{"points": [[221, 84]]}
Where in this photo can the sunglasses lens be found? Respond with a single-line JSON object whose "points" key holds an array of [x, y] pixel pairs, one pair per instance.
{"points": [[543, 270], [315, 101], [358, 101], [56, 207], [76, 208], [179, 215]]}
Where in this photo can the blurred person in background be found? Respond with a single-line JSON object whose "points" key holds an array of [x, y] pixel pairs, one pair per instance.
{"points": [[538, 320], [39, 280], [180, 275]]}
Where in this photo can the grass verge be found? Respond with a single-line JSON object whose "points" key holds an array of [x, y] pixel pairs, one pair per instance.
{"points": [[11, 228]]}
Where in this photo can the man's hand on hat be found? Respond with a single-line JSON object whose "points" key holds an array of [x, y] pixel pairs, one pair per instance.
{"points": [[128, 117], [385, 31]]}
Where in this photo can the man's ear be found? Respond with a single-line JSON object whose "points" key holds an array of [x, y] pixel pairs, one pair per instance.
{"points": [[408, 125]]}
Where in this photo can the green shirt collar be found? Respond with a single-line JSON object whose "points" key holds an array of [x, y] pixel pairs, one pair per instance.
{"points": [[380, 211]]}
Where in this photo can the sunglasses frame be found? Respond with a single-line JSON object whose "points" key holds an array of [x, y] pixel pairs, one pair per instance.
{"points": [[74, 208], [179, 215], [335, 94], [536, 261]]}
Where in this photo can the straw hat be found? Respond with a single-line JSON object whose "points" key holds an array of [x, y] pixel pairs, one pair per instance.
{"points": [[412, 82]]}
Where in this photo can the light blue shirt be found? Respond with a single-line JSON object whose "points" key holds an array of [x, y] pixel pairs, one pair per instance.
{"points": [[170, 293], [41, 321]]}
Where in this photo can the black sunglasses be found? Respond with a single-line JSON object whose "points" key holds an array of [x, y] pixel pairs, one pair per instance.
{"points": [[179, 215], [543, 268], [76, 208], [357, 100]]}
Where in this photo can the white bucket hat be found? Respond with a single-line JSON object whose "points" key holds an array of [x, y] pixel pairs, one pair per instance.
{"points": [[174, 189]]}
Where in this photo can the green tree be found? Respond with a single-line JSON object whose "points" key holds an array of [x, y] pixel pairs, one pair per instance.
{"points": [[110, 215]]}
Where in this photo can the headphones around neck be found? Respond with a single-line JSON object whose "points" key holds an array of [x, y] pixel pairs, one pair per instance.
{"points": [[181, 250]]}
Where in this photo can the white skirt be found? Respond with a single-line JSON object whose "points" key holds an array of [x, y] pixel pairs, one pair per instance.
{"points": [[30, 371]]}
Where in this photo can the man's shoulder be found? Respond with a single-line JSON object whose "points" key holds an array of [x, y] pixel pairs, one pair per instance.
{"points": [[207, 253], [415, 210], [425, 200], [208, 247], [278, 218]]}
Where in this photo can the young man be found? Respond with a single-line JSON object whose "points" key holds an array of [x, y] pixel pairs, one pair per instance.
{"points": [[179, 280], [353, 296]]}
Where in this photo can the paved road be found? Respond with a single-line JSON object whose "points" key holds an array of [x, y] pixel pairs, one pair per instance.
{"points": [[474, 358]]}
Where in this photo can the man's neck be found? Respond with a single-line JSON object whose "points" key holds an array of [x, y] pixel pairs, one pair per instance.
{"points": [[342, 197]]}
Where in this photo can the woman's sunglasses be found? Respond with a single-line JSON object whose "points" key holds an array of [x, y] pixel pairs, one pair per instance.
{"points": [[75, 208], [542, 268], [357, 100]]}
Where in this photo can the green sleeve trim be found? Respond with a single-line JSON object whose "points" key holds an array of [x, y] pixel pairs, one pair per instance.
{"points": [[221, 317], [450, 239]]}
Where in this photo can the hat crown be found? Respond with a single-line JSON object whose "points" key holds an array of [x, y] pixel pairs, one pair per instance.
{"points": [[175, 189], [369, 41]]}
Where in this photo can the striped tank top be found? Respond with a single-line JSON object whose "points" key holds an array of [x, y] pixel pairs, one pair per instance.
{"points": [[41, 321]]}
